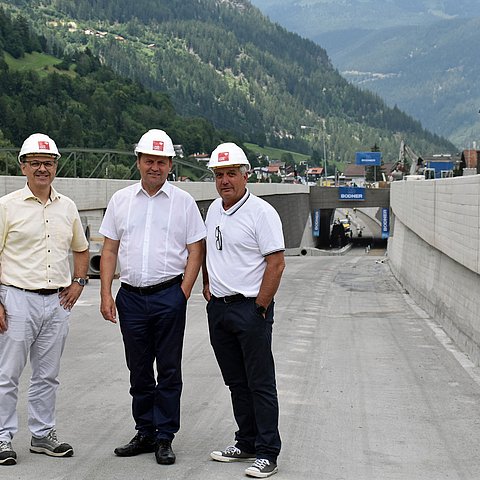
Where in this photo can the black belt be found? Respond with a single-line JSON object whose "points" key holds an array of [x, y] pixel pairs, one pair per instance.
{"points": [[231, 298], [40, 291], [153, 288]]}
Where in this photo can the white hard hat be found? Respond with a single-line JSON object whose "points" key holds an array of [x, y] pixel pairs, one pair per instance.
{"points": [[39, 143], [227, 155], [155, 142]]}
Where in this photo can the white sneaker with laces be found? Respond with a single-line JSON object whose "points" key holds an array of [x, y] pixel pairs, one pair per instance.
{"points": [[261, 468]]}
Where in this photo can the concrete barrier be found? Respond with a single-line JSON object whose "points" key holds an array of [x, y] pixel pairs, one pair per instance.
{"points": [[435, 252]]}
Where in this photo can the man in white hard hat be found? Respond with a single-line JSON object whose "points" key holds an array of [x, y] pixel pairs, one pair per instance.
{"points": [[156, 232], [244, 266], [38, 227]]}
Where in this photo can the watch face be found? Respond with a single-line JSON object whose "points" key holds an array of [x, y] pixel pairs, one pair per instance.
{"points": [[81, 281]]}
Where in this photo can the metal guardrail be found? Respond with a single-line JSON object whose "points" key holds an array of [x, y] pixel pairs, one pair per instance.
{"points": [[96, 163]]}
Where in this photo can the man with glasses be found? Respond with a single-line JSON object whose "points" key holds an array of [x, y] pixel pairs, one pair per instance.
{"points": [[38, 228], [244, 266]]}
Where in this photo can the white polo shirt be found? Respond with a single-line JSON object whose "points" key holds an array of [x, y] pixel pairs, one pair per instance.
{"points": [[250, 230], [153, 232]]}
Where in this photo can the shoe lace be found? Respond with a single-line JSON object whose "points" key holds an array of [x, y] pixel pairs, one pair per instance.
{"points": [[260, 463], [233, 450], [4, 445], [52, 436]]}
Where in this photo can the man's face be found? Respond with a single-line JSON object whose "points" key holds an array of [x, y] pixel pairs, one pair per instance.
{"points": [[154, 170], [39, 169], [230, 183]]}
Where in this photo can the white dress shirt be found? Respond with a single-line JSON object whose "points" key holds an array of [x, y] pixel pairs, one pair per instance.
{"points": [[153, 231]]}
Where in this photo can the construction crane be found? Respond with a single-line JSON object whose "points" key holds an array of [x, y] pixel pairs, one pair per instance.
{"points": [[408, 156]]}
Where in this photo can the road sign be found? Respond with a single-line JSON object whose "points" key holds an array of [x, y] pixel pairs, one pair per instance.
{"points": [[368, 158], [316, 223], [351, 193], [385, 222]]}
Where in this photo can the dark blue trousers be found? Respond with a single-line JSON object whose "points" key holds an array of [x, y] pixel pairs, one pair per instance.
{"points": [[153, 328], [242, 341]]}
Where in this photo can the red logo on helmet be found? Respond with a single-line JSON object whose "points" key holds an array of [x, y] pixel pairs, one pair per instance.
{"points": [[158, 145], [43, 145], [223, 156]]}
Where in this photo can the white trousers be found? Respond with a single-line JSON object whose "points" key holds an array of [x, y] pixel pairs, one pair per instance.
{"points": [[37, 324]]}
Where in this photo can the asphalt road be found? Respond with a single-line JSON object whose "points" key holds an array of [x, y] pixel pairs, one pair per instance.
{"points": [[370, 388]]}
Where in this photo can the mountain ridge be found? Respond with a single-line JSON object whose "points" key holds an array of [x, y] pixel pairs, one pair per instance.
{"points": [[426, 67], [239, 71]]}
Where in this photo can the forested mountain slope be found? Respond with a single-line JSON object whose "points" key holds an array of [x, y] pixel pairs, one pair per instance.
{"points": [[421, 55], [225, 61], [81, 103]]}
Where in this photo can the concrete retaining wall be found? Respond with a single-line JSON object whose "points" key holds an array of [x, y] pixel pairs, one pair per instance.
{"points": [[435, 252], [92, 195]]}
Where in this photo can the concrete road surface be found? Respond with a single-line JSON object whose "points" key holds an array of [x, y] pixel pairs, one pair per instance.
{"points": [[370, 389]]}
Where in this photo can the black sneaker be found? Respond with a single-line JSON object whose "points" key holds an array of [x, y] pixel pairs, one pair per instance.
{"points": [[49, 445], [261, 468], [7, 455], [137, 445], [232, 454]]}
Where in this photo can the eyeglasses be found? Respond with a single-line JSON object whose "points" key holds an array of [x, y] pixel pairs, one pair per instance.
{"points": [[218, 238], [35, 164]]}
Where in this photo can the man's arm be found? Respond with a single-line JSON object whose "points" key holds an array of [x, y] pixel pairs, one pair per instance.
{"points": [[206, 282], [108, 264], [69, 295], [271, 278], [195, 258]]}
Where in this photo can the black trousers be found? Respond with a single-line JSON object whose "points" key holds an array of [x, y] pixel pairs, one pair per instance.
{"points": [[153, 328], [242, 340]]}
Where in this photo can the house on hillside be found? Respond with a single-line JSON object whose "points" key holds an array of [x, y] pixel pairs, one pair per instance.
{"points": [[314, 174], [354, 175]]}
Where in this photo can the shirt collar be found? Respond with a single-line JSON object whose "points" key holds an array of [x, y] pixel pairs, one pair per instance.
{"points": [[235, 207], [166, 189], [27, 193]]}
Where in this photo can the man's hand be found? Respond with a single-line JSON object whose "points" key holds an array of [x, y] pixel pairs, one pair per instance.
{"points": [[206, 292], [69, 295], [3, 320], [108, 309]]}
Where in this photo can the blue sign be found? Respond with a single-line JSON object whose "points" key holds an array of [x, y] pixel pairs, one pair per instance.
{"points": [[385, 222], [351, 193], [368, 158], [316, 223]]}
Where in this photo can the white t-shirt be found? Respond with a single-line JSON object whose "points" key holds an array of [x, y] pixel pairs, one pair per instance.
{"points": [[153, 231], [249, 231]]}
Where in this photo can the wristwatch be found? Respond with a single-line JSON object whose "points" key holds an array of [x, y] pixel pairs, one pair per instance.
{"points": [[81, 281], [261, 310]]}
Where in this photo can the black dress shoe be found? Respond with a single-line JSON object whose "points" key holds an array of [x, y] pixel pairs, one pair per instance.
{"points": [[164, 453], [137, 445]]}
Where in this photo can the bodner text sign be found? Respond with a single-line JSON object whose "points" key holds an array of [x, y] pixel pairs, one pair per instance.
{"points": [[351, 193], [368, 158]]}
